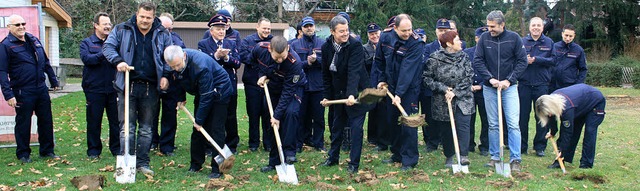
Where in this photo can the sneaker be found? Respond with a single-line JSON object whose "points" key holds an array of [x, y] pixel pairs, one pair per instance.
{"points": [[540, 153], [464, 160], [515, 166], [448, 162], [146, 170], [26, 160], [492, 163]]}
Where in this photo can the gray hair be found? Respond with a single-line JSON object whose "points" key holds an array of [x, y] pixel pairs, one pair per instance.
{"points": [[496, 16], [173, 52], [547, 105], [13, 17], [337, 20]]}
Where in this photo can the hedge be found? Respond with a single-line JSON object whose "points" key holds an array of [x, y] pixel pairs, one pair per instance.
{"points": [[610, 74]]}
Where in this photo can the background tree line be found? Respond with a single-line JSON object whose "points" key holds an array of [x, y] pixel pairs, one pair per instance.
{"points": [[608, 24]]}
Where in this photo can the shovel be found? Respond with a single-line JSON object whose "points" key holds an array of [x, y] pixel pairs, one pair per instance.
{"points": [[502, 168], [367, 96], [558, 154], [225, 153], [286, 172], [411, 121], [456, 167], [126, 164]]}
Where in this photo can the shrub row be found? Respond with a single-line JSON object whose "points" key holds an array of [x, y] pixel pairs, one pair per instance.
{"points": [[610, 74]]}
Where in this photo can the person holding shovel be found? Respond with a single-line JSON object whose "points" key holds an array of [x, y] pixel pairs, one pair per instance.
{"points": [[198, 74], [574, 106], [400, 59], [500, 58], [344, 75], [449, 75], [281, 66]]}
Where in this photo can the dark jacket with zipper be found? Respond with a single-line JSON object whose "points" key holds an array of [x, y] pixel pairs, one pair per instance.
{"points": [[502, 57], [98, 73], [305, 46]]}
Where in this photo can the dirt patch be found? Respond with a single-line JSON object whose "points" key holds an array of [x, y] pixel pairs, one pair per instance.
{"points": [[88, 182], [522, 175], [596, 179], [501, 184], [412, 121], [421, 177], [623, 101], [243, 177], [326, 186], [216, 184], [367, 177]]}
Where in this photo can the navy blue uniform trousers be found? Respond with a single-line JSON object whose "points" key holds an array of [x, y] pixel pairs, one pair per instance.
{"points": [[404, 147], [30, 100], [312, 113], [288, 126], [528, 96], [97, 104], [570, 134], [484, 124], [214, 126], [258, 112], [341, 119]]}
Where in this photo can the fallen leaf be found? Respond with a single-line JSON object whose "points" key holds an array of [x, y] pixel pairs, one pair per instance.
{"points": [[10, 164], [228, 177], [441, 181], [181, 166], [35, 171], [107, 168], [66, 162], [250, 169], [18, 172], [83, 187], [246, 162], [171, 163], [52, 164], [62, 189], [76, 145], [72, 169], [59, 175], [183, 181]]}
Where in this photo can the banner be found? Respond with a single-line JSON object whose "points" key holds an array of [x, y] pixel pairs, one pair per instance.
{"points": [[7, 113]]}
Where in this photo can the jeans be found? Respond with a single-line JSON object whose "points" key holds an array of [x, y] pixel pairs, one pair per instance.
{"points": [[511, 108], [143, 106]]}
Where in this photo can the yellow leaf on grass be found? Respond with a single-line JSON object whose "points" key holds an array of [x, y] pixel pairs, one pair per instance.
{"points": [[35, 171], [17, 172], [59, 175]]}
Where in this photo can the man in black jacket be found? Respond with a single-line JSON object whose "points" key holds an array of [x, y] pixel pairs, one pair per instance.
{"points": [[344, 75]]}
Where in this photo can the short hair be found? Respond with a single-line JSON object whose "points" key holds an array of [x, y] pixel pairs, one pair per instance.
{"points": [[447, 37], [549, 105], [172, 52], [148, 6], [168, 15], [535, 18], [496, 16], [96, 17], [279, 44], [262, 19], [401, 17], [568, 27], [337, 20]]}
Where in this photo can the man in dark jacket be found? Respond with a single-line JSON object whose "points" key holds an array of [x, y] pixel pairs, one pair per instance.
{"points": [[97, 83], [308, 49], [375, 124], [534, 82], [200, 75], [570, 59], [22, 57], [225, 53], [500, 58], [344, 76], [402, 62], [254, 94], [139, 42], [281, 66], [478, 99]]}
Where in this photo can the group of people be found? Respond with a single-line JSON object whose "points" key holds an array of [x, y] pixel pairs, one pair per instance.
{"points": [[302, 76]]}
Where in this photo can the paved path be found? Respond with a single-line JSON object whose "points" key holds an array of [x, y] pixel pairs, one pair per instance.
{"points": [[68, 88]]}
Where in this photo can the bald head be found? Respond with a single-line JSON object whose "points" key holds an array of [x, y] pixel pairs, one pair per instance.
{"points": [[166, 22], [17, 26]]}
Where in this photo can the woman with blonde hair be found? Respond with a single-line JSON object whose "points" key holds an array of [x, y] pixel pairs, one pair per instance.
{"points": [[574, 106]]}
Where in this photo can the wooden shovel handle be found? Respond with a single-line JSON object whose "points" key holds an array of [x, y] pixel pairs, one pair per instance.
{"points": [[204, 133], [126, 109], [557, 151], [275, 128], [404, 113]]}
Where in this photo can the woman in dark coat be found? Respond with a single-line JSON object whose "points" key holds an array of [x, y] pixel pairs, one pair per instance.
{"points": [[449, 74]]}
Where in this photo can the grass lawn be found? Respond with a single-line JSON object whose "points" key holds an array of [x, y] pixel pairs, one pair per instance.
{"points": [[616, 161]]}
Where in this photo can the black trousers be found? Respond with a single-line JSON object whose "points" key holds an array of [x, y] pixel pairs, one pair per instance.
{"points": [[29, 101], [97, 104], [258, 114], [484, 124], [214, 126], [341, 119], [231, 124], [462, 131]]}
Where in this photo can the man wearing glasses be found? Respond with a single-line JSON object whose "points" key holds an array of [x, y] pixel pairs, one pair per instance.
{"points": [[23, 59]]}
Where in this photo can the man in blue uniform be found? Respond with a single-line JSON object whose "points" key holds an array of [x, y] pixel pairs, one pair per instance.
{"points": [[23, 59], [401, 61], [570, 59], [254, 95], [139, 42], [312, 113], [200, 75], [478, 99], [575, 107], [165, 141], [500, 58], [534, 82], [97, 83], [230, 33], [224, 52], [344, 76], [281, 66]]}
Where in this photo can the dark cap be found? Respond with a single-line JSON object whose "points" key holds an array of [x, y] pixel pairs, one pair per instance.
{"points": [[225, 13], [443, 24], [346, 16], [218, 20], [481, 30], [392, 21], [420, 31], [373, 27], [307, 21]]}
